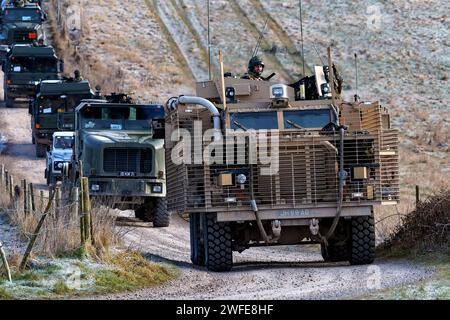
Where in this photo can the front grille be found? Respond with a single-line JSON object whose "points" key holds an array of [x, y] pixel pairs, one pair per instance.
{"points": [[117, 160], [21, 36]]}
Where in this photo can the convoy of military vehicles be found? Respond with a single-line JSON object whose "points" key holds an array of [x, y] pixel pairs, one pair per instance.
{"points": [[253, 163]]}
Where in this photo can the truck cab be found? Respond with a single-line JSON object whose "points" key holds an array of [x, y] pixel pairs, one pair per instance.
{"points": [[53, 109]]}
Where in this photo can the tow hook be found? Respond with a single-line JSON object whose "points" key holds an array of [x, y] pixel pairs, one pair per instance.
{"points": [[276, 230], [314, 227]]}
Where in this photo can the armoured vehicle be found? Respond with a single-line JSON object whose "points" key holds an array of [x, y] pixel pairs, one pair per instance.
{"points": [[119, 146], [59, 157], [21, 24], [258, 163], [24, 67], [53, 109]]}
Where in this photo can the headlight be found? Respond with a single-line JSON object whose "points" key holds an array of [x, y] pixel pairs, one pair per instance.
{"points": [[241, 179], [60, 165], [157, 188], [95, 187]]}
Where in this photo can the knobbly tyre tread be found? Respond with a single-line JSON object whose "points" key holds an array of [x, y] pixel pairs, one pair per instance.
{"points": [[197, 243], [160, 213], [338, 245], [218, 245], [363, 240]]}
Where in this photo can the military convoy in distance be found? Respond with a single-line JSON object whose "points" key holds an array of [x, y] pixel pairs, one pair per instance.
{"points": [[21, 24], [24, 67], [327, 163], [53, 109], [119, 146]]}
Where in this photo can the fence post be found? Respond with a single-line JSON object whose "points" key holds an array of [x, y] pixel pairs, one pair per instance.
{"points": [[57, 202], [11, 188], [36, 233], [86, 209], [2, 175], [75, 201], [417, 195], [32, 202], [5, 262], [6, 180], [41, 200], [26, 206]]}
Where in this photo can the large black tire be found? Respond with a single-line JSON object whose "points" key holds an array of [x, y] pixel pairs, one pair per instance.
{"points": [[197, 243], [154, 210], [161, 214], [9, 102], [338, 245], [41, 150], [218, 244], [363, 240]]}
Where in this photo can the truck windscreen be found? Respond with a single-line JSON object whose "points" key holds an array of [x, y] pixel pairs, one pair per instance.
{"points": [[120, 118], [294, 119], [22, 15], [33, 65], [254, 120]]}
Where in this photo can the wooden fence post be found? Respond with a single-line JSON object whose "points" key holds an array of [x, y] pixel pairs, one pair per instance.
{"points": [[86, 209], [57, 202], [2, 175], [26, 204], [32, 202], [41, 200], [36, 233], [417, 195], [6, 180], [75, 202], [5, 262], [11, 188]]}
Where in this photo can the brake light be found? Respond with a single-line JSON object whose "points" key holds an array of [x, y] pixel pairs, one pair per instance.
{"points": [[32, 35], [8, 82], [37, 126]]}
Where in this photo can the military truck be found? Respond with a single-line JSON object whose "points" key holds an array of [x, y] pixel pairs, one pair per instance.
{"points": [[59, 157], [21, 25], [24, 67], [53, 109], [119, 146], [258, 163]]}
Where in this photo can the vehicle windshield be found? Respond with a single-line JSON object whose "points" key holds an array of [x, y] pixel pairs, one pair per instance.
{"points": [[55, 104], [63, 142], [22, 15], [254, 120], [120, 118], [34, 65], [298, 119]]}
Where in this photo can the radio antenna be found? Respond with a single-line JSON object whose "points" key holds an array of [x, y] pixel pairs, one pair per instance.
{"points": [[318, 54], [356, 73], [301, 35], [258, 44], [209, 40]]}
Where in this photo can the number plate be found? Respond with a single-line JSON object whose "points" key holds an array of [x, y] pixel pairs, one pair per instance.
{"points": [[127, 174]]}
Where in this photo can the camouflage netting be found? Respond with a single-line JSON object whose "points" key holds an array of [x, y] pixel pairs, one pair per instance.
{"points": [[426, 228]]}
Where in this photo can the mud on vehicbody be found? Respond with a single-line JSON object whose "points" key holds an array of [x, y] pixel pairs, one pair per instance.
{"points": [[24, 67], [336, 161], [53, 109], [121, 147]]}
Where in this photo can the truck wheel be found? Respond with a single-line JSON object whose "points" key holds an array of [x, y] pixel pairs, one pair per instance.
{"points": [[218, 244], [33, 140], [41, 150], [363, 241], [161, 214], [338, 244], [197, 243], [9, 102]]}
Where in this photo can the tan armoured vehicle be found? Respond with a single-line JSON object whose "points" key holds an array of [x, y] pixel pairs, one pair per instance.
{"points": [[257, 163]]}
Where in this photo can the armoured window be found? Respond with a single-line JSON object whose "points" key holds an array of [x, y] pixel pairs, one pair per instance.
{"points": [[25, 15], [254, 120], [293, 119]]}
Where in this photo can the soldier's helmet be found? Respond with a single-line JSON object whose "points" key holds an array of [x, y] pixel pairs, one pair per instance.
{"points": [[77, 73], [255, 61]]}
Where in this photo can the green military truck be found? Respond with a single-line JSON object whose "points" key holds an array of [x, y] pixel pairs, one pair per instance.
{"points": [[21, 24], [119, 146], [53, 109], [24, 67]]}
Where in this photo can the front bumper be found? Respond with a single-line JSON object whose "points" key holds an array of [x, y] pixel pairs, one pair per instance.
{"points": [[119, 187], [21, 91]]}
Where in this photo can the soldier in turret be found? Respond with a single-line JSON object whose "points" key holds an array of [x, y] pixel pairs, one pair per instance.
{"points": [[255, 69]]}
